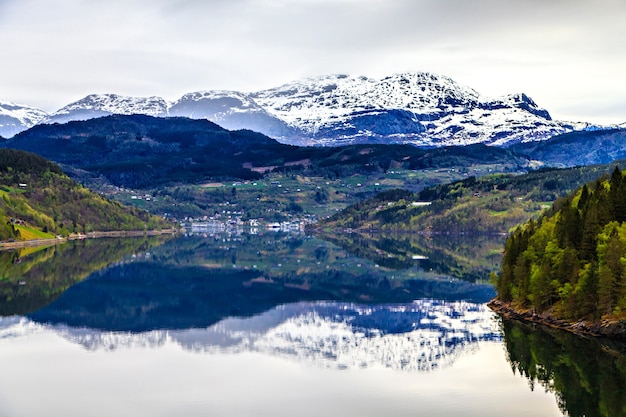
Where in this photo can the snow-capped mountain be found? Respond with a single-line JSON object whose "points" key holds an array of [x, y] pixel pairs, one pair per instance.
{"points": [[231, 110], [419, 108], [15, 118], [99, 105]]}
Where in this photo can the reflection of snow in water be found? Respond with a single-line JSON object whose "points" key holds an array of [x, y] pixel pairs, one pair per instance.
{"points": [[419, 336], [431, 342]]}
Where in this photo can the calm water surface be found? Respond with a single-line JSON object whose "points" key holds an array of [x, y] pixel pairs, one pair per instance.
{"points": [[282, 325]]}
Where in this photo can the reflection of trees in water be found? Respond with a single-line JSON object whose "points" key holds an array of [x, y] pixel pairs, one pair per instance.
{"points": [[33, 277], [196, 282], [321, 254], [588, 376], [468, 257], [149, 295]]}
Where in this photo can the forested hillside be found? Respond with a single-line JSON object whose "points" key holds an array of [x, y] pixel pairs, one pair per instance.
{"points": [[490, 204], [39, 201], [571, 262], [146, 152]]}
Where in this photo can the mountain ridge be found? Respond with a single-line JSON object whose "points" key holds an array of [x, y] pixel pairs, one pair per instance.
{"points": [[135, 150], [437, 111], [15, 118], [418, 108], [98, 105]]}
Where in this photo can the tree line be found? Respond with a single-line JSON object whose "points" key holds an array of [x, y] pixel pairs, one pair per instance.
{"points": [[572, 260], [490, 204]]}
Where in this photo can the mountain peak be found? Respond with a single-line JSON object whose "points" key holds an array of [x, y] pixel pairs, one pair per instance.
{"points": [[226, 97], [15, 118], [421, 108], [98, 105], [411, 107]]}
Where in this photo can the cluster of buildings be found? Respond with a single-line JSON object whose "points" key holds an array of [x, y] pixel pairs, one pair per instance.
{"points": [[234, 224]]}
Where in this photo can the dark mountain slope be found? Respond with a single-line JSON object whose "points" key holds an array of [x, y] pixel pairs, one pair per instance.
{"points": [[577, 148], [144, 151], [137, 150]]}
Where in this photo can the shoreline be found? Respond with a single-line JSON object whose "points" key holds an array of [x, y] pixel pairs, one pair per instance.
{"points": [[364, 231], [615, 330], [79, 236]]}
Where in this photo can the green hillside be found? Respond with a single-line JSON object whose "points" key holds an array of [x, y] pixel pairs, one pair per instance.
{"points": [[37, 200], [571, 263], [490, 204]]}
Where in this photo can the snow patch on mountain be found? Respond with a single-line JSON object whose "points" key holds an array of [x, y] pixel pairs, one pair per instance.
{"points": [[232, 110], [435, 110], [15, 118], [313, 102], [99, 105]]}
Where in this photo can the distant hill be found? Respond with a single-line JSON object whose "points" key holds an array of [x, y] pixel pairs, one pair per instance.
{"points": [[577, 148], [39, 201], [144, 152], [490, 204]]}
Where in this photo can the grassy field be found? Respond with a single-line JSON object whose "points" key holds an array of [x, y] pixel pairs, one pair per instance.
{"points": [[29, 233], [279, 196]]}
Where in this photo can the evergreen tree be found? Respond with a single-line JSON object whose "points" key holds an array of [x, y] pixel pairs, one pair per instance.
{"points": [[573, 260]]}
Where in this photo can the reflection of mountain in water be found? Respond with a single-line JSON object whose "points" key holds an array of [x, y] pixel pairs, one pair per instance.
{"points": [[144, 296], [195, 281], [419, 336], [289, 296]]}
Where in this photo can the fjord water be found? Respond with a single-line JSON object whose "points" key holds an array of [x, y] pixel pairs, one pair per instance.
{"points": [[277, 324]]}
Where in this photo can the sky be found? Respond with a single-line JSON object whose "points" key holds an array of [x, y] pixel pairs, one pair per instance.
{"points": [[568, 55]]}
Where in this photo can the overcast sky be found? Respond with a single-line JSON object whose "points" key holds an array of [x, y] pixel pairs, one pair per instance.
{"points": [[568, 55]]}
